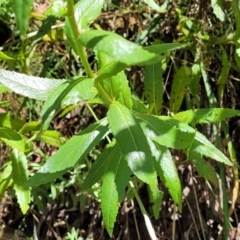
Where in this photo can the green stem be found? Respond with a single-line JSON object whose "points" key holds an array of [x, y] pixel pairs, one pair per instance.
{"points": [[79, 47]]}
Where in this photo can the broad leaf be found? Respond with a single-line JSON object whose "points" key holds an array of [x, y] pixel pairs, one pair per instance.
{"points": [[153, 5], [22, 10], [28, 86], [115, 179], [181, 80], [66, 94], [19, 175], [118, 48], [132, 142], [12, 138], [69, 154], [206, 115], [165, 134], [153, 82]]}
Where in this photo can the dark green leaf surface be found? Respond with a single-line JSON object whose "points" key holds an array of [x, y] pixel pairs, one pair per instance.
{"points": [[69, 154], [28, 86], [118, 48], [206, 115], [153, 82], [203, 168], [68, 93], [181, 80], [98, 168], [165, 134], [22, 10], [132, 142], [115, 179]]}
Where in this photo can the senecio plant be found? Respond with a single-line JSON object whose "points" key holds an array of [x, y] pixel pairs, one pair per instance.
{"points": [[141, 139]]}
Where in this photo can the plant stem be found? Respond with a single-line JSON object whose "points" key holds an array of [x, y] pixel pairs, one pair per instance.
{"points": [[79, 47]]}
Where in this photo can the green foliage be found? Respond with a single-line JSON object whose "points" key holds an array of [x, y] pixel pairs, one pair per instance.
{"points": [[140, 138]]}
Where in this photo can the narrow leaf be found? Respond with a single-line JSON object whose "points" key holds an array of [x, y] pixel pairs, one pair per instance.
{"points": [[66, 94], [180, 82], [12, 138], [153, 5], [167, 171], [206, 115], [3, 56], [203, 168], [28, 86], [22, 10], [53, 138], [98, 167], [5, 178], [115, 179], [118, 48], [217, 9], [132, 142], [200, 143], [69, 154], [153, 82], [19, 175], [165, 134], [165, 47]]}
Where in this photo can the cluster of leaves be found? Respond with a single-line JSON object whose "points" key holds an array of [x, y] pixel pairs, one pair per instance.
{"points": [[142, 138]]}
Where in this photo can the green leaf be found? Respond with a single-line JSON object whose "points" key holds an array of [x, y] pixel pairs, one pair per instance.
{"points": [[19, 175], [167, 171], [203, 168], [3, 56], [116, 87], [206, 115], [217, 9], [70, 92], [53, 138], [69, 154], [153, 82], [85, 12], [118, 48], [223, 77], [200, 143], [45, 27], [5, 178], [22, 10], [115, 180], [166, 134], [58, 8], [30, 127], [6, 120], [181, 80], [132, 142], [153, 5], [28, 86], [12, 138], [23, 197], [98, 167], [165, 47]]}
